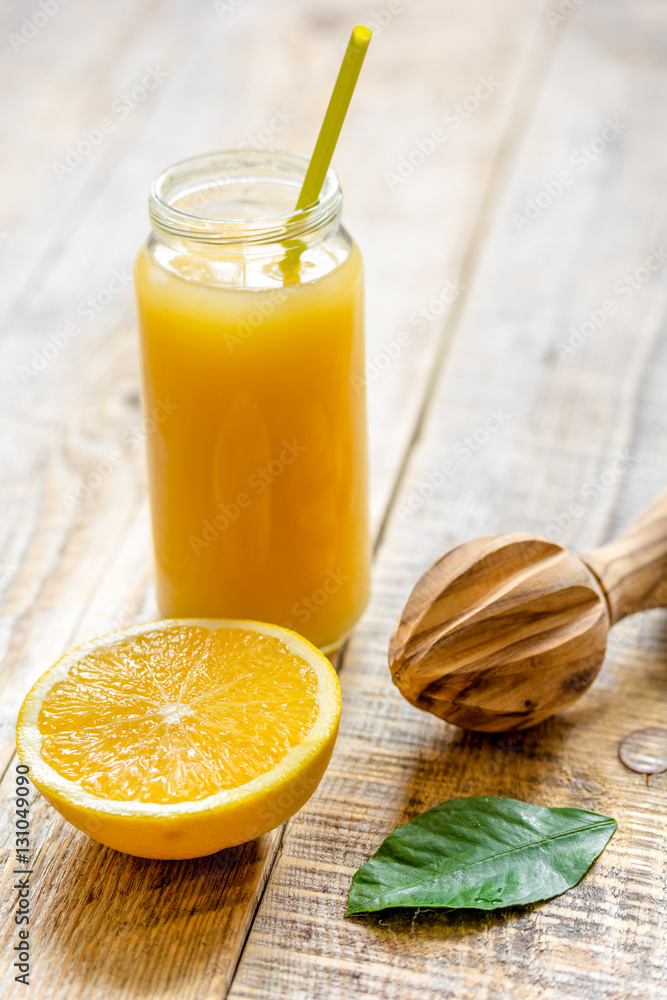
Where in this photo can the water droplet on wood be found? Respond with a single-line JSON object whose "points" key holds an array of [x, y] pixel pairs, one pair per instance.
{"points": [[645, 751]]}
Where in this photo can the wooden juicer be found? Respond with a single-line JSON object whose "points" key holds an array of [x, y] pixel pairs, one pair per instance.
{"points": [[505, 630]]}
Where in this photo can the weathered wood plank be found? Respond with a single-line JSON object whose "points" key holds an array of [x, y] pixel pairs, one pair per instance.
{"points": [[585, 429], [74, 571]]}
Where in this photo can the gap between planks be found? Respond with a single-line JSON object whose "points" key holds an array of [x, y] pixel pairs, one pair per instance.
{"points": [[543, 50]]}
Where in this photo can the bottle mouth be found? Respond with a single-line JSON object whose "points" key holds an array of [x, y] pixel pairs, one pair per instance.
{"points": [[240, 196]]}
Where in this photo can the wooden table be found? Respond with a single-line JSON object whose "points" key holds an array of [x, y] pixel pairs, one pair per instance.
{"points": [[512, 249]]}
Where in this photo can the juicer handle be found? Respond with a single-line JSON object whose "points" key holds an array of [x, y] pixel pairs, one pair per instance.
{"points": [[633, 567]]}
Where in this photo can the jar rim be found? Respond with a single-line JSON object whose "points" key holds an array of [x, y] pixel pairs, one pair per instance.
{"points": [[221, 170]]}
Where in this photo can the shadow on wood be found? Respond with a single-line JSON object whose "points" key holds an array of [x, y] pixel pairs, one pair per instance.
{"points": [[152, 926], [474, 763]]}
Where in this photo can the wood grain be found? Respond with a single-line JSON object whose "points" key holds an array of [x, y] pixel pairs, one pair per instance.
{"points": [[75, 570], [500, 633], [578, 454], [506, 630], [633, 568]]}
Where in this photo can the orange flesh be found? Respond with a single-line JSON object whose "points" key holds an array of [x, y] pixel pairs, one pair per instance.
{"points": [[179, 714]]}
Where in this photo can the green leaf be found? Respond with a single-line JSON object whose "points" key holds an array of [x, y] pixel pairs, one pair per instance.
{"points": [[481, 852]]}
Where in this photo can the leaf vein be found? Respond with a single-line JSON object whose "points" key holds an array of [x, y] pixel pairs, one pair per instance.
{"points": [[489, 857]]}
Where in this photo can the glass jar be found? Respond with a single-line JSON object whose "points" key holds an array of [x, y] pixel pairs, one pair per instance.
{"points": [[251, 320]]}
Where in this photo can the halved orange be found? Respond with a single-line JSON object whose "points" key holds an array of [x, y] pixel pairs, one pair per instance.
{"points": [[174, 739]]}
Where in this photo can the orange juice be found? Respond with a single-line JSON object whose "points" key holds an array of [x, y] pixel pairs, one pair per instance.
{"points": [[253, 354]]}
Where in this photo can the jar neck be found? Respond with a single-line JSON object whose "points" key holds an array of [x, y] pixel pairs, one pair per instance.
{"points": [[240, 203]]}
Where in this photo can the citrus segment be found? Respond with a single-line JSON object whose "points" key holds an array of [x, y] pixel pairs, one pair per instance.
{"points": [[135, 735]]}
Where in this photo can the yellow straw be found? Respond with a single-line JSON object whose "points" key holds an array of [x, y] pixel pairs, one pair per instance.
{"points": [[335, 116]]}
